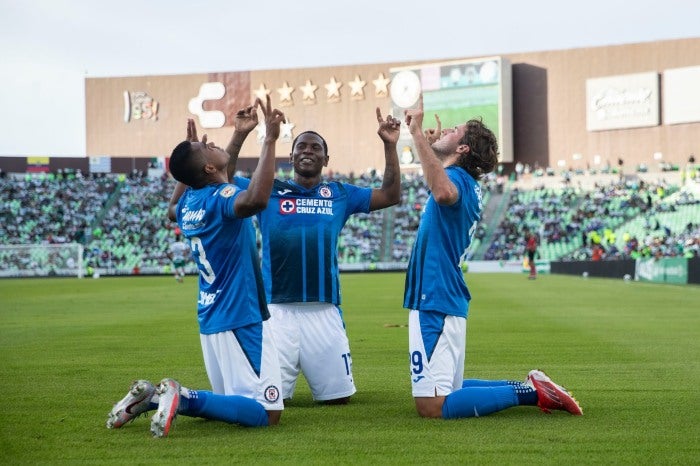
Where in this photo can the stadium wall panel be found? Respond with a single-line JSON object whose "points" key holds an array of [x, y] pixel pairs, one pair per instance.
{"points": [[601, 269], [694, 270], [549, 108]]}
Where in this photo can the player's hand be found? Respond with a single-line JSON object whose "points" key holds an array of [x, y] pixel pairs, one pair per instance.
{"points": [[246, 119], [273, 118], [191, 131], [389, 129], [414, 118], [433, 134]]}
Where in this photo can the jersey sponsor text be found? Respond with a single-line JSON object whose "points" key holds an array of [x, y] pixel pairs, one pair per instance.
{"points": [[306, 206], [206, 299]]}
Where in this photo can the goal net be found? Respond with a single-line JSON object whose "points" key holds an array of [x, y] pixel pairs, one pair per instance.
{"points": [[41, 260]]}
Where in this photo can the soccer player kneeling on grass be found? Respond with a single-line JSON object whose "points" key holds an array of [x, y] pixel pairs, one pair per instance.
{"points": [[453, 160], [240, 356]]}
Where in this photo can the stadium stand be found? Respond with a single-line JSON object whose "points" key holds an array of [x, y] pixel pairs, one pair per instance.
{"points": [[572, 221], [121, 220]]}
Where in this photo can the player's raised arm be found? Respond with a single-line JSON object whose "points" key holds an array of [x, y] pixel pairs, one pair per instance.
{"points": [[390, 192], [255, 198], [246, 120], [440, 185]]}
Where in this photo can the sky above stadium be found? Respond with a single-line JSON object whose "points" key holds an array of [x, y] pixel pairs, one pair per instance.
{"points": [[49, 47]]}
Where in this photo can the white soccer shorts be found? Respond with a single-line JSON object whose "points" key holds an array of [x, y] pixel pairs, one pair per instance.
{"points": [[230, 370], [311, 339], [436, 351]]}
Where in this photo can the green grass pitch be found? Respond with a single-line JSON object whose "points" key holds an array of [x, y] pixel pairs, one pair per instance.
{"points": [[629, 352]]}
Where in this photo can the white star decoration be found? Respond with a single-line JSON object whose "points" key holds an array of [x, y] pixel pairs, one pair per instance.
{"points": [[356, 88], [261, 92], [285, 93], [286, 131], [380, 85], [333, 88], [309, 91]]}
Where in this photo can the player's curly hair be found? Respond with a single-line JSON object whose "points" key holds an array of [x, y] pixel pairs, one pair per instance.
{"points": [[186, 165], [483, 149]]}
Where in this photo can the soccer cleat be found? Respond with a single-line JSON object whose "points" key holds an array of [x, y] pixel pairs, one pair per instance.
{"points": [[132, 405], [552, 396], [162, 420]]}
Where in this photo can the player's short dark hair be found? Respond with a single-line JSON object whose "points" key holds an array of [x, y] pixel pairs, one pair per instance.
{"points": [[185, 165], [482, 157], [325, 144]]}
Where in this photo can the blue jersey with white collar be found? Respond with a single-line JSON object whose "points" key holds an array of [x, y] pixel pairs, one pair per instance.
{"points": [[231, 293]]}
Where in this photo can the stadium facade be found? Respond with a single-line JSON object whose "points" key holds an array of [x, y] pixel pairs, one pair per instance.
{"points": [[633, 104]]}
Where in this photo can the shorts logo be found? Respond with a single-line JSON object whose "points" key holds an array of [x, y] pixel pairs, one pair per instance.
{"points": [[227, 191], [287, 206], [325, 191], [272, 394]]}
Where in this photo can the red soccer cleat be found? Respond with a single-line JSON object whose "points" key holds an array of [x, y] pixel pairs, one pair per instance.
{"points": [[162, 420], [552, 396]]}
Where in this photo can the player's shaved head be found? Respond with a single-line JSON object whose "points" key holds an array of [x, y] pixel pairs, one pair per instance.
{"points": [[186, 162]]}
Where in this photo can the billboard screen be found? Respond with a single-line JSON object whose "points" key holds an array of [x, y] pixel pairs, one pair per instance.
{"points": [[456, 91], [681, 95], [624, 101]]}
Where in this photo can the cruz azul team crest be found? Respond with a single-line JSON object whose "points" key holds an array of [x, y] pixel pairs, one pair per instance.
{"points": [[325, 191]]}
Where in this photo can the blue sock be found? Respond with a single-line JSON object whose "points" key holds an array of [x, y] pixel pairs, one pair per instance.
{"points": [[233, 409], [527, 396], [484, 383], [478, 401]]}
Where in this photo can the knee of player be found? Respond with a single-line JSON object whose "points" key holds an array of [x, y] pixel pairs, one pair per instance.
{"points": [[273, 417], [430, 407]]}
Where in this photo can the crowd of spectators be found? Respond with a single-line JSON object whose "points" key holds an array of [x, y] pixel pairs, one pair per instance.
{"points": [[56, 208], [600, 224], [135, 231], [669, 227], [121, 220], [547, 211], [362, 238], [414, 194], [52, 209]]}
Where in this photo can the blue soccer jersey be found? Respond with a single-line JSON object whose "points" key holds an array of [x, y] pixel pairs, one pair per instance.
{"points": [[231, 293], [434, 280], [300, 230]]}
